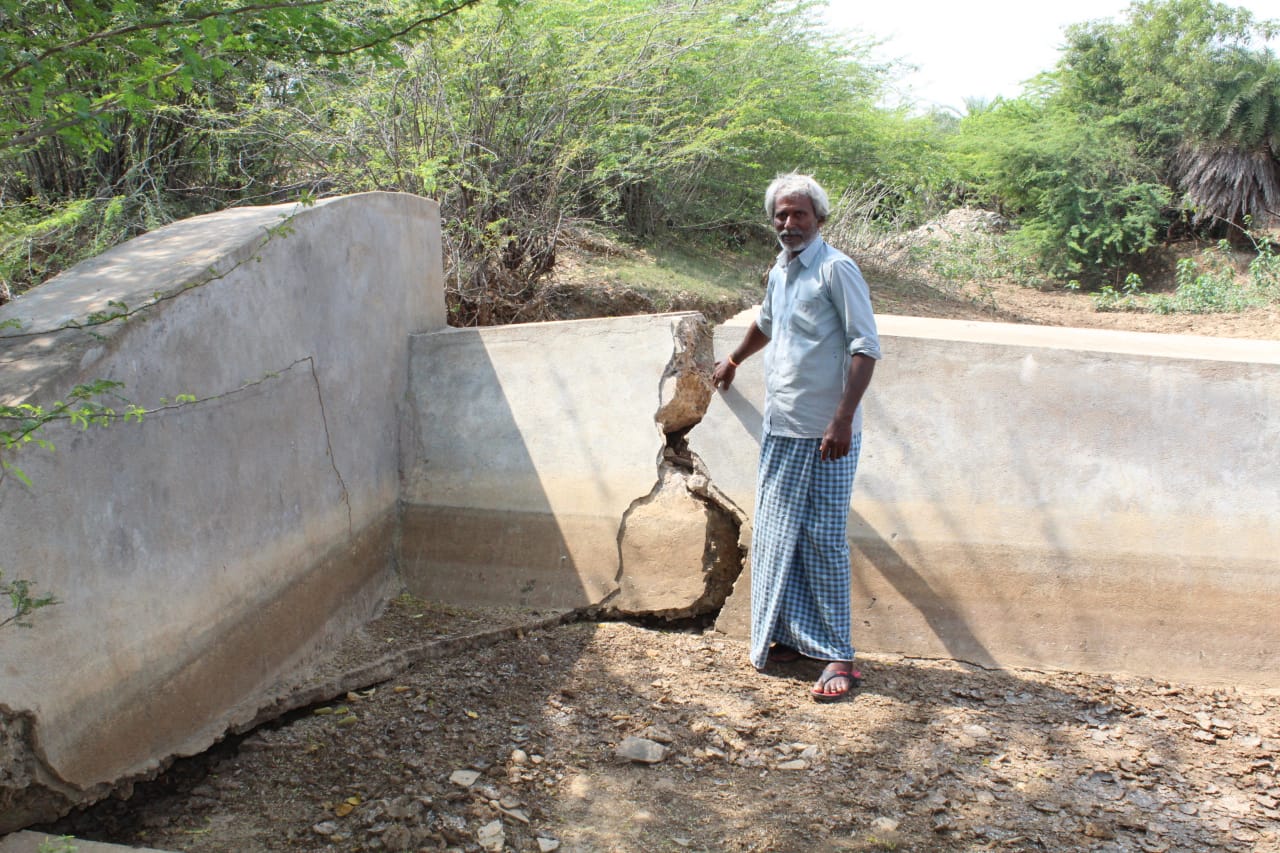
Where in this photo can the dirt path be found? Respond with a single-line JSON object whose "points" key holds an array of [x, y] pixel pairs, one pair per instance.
{"points": [[927, 755]]}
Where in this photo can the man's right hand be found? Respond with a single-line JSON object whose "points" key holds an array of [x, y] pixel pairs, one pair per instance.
{"points": [[723, 375]]}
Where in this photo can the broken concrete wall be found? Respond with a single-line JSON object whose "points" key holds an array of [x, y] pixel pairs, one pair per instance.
{"points": [[1061, 498], [202, 555], [538, 472]]}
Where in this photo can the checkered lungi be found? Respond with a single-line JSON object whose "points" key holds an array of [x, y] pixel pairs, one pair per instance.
{"points": [[800, 554]]}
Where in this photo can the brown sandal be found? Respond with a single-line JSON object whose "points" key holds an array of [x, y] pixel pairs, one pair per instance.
{"points": [[836, 669]]}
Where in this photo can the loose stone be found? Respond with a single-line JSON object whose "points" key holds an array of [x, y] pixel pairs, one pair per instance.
{"points": [[492, 837], [641, 750], [464, 778]]}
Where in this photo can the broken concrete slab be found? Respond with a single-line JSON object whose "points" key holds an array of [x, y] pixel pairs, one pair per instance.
{"points": [[685, 389], [526, 448], [679, 553]]}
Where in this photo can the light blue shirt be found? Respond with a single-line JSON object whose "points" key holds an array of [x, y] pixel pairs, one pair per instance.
{"points": [[817, 315]]}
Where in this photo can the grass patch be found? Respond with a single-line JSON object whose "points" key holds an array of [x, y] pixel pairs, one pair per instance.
{"points": [[1207, 284]]}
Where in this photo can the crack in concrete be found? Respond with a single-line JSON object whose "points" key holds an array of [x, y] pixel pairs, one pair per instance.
{"points": [[328, 443], [684, 392]]}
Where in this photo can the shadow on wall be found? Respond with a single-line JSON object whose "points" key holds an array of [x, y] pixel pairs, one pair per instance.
{"points": [[477, 524], [526, 451], [939, 609]]}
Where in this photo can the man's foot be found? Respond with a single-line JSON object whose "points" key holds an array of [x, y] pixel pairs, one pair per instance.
{"points": [[837, 679]]}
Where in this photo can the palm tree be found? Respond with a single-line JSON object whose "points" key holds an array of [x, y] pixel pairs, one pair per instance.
{"points": [[1231, 169]]}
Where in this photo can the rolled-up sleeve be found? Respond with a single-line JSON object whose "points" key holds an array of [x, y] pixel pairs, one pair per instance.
{"points": [[852, 300]]}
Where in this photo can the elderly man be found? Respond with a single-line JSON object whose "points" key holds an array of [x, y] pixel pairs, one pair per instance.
{"points": [[819, 336]]}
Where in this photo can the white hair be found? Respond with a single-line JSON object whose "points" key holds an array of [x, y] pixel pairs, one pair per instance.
{"points": [[794, 183]]}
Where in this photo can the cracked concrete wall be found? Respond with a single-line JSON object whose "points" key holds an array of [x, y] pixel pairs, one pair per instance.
{"points": [[1060, 498], [531, 463], [205, 555]]}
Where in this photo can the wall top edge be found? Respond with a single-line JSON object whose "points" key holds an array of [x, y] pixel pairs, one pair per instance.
{"points": [[1247, 350], [165, 260], [518, 328], [1094, 340]]}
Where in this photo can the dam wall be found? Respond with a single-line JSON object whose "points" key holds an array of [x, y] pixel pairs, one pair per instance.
{"points": [[297, 435], [204, 554], [1050, 497]]}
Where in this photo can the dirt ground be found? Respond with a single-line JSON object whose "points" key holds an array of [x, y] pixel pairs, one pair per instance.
{"points": [[899, 286], [1007, 302], [509, 740], [439, 728]]}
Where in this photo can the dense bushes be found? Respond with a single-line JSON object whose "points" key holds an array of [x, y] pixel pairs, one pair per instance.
{"points": [[663, 118]]}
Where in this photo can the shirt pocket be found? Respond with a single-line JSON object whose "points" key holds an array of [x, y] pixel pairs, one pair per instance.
{"points": [[814, 319]]}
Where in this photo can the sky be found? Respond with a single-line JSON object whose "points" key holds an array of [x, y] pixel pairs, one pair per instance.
{"points": [[979, 48]]}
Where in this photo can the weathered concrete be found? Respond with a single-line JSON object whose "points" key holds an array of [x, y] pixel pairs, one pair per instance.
{"points": [[203, 556], [678, 549], [31, 842], [1052, 497], [550, 440]]}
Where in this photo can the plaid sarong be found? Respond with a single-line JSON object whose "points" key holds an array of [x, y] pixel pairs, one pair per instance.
{"points": [[800, 553]]}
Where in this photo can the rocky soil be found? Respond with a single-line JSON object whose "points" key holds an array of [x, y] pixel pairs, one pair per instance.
{"points": [[608, 736]]}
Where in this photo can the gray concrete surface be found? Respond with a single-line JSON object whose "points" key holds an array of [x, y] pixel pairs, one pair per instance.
{"points": [[30, 842], [203, 556], [1061, 498], [532, 444]]}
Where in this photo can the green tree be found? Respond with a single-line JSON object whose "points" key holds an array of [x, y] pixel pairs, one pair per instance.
{"points": [[1230, 169], [661, 117], [1095, 157], [122, 115]]}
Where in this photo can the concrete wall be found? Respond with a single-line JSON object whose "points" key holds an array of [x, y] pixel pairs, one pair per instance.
{"points": [[1062, 498], [203, 555], [531, 449]]}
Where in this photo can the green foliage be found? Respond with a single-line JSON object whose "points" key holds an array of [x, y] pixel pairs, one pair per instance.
{"points": [[21, 424], [1264, 270], [662, 118], [117, 117], [1126, 299], [38, 240], [21, 603], [1092, 161], [1209, 283], [1229, 166], [73, 69], [1086, 197], [1206, 286]]}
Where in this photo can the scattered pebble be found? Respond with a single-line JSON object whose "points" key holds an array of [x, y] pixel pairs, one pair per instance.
{"points": [[641, 750], [492, 837], [464, 778]]}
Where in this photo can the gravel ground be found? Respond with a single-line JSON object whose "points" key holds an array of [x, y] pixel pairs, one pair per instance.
{"points": [[509, 740]]}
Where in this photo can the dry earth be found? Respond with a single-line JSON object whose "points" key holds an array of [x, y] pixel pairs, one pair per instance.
{"points": [[442, 729], [902, 285], [508, 739]]}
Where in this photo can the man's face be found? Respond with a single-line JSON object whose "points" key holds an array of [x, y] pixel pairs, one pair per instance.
{"points": [[795, 221]]}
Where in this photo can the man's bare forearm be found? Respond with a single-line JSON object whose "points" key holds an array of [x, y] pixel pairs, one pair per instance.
{"points": [[752, 342]]}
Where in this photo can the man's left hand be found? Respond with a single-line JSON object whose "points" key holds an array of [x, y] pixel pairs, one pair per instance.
{"points": [[836, 440]]}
